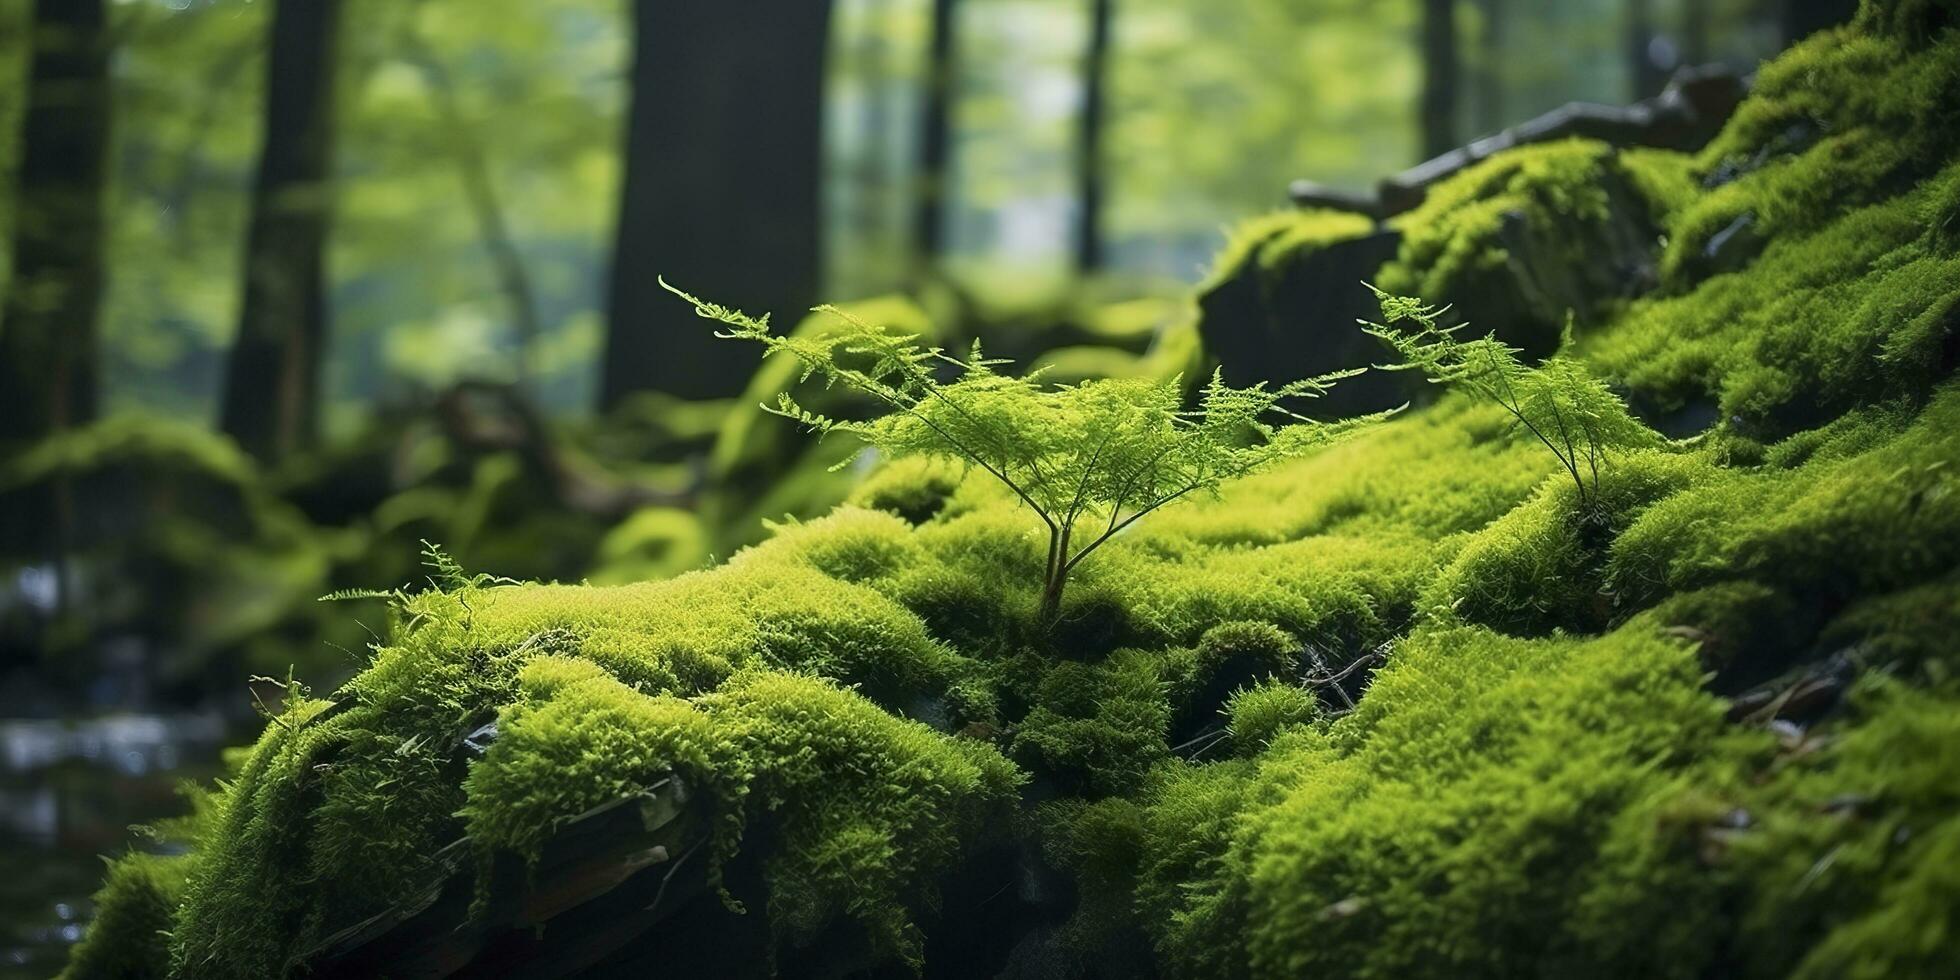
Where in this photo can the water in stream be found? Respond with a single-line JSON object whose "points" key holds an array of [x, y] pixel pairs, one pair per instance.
{"points": [[70, 789]]}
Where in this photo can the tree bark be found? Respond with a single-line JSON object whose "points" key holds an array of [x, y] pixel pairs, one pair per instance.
{"points": [[936, 137], [1441, 76], [271, 395], [48, 332], [721, 194], [1089, 165]]}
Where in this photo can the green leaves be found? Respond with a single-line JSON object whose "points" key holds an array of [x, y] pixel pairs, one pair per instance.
{"points": [[1559, 402], [1097, 455]]}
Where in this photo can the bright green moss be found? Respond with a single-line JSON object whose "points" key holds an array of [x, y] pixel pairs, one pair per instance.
{"points": [[1851, 519], [1267, 243], [135, 910], [653, 543], [1571, 205], [1850, 863], [1861, 311], [1447, 827], [1542, 566], [866, 807], [1843, 119], [1259, 714]]}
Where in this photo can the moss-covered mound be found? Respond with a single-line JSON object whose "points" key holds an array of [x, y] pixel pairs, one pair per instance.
{"points": [[1409, 707]]}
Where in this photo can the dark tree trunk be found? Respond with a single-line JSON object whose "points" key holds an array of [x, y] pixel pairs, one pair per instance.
{"points": [[1089, 180], [1490, 68], [1441, 76], [1645, 77], [271, 396], [48, 345], [936, 137], [723, 149]]}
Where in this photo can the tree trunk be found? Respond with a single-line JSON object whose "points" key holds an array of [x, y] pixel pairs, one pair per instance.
{"points": [[48, 343], [1490, 69], [1645, 78], [1089, 140], [272, 379], [1441, 75], [723, 152], [936, 137]]}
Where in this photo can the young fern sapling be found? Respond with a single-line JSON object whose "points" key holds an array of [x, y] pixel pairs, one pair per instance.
{"points": [[1089, 459], [1559, 402]]}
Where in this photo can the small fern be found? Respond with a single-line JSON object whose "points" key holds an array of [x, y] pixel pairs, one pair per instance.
{"points": [[1089, 459], [1559, 402]]}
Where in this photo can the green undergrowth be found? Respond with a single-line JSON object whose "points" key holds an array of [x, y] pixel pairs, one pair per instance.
{"points": [[1422, 703]]}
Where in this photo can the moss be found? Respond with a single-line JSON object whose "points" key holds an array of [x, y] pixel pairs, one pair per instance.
{"points": [[1517, 240], [1843, 119], [1542, 566], [1268, 242], [1861, 311], [1850, 859], [130, 937], [1259, 714], [1097, 729], [866, 808], [653, 543], [1870, 514]]}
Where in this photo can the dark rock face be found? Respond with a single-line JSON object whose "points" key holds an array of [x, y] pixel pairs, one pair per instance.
{"points": [[1297, 320]]}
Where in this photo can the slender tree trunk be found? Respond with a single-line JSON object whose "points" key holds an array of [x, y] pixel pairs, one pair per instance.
{"points": [[1490, 68], [48, 334], [936, 137], [1441, 77], [723, 153], [272, 381], [1644, 77], [1089, 163]]}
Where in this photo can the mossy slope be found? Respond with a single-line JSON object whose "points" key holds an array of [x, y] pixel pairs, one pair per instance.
{"points": [[1529, 771]]}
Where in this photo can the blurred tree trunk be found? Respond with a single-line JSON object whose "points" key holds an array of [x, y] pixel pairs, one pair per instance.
{"points": [[271, 396], [721, 192], [1644, 77], [1490, 68], [1441, 77], [48, 342], [1089, 179], [936, 137], [1694, 32]]}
